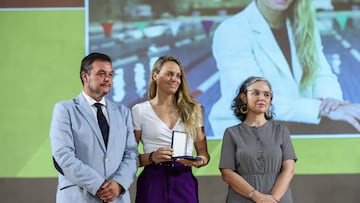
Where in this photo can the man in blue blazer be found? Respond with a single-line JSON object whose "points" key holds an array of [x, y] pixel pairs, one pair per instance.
{"points": [[91, 168]]}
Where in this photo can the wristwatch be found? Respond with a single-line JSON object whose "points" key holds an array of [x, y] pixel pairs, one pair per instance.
{"points": [[251, 193]]}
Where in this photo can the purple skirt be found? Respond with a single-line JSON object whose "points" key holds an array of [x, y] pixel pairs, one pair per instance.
{"points": [[169, 182]]}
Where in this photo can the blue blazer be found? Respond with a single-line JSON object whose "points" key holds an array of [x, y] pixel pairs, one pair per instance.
{"points": [[79, 149], [243, 46]]}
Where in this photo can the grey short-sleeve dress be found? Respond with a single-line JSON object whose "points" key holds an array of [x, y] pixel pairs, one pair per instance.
{"points": [[256, 153]]}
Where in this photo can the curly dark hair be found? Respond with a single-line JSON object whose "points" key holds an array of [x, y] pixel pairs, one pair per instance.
{"points": [[238, 103]]}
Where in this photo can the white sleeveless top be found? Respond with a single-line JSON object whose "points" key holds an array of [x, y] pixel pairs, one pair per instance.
{"points": [[154, 132]]}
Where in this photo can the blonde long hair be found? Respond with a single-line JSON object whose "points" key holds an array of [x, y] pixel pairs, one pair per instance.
{"points": [[190, 111], [303, 18]]}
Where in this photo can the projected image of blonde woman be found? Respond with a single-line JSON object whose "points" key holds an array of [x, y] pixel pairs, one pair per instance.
{"points": [[279, 40]]}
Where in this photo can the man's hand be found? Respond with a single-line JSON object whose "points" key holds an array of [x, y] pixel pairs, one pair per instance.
{"points": [[109, 190]]}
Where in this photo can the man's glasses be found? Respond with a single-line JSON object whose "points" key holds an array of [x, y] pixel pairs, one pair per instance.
{"points": [[257, 93]]}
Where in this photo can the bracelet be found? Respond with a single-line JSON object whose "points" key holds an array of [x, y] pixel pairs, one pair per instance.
{"points": [[251, 194], [150, 158], [201, 165]]}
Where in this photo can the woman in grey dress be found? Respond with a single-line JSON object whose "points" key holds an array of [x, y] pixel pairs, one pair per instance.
{"points": [[257, 157]]}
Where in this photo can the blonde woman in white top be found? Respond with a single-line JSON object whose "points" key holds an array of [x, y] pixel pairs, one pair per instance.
{"points": [[170, 108]]}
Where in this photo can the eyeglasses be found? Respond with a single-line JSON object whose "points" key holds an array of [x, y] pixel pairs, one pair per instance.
{"points": [[257, 93]]}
